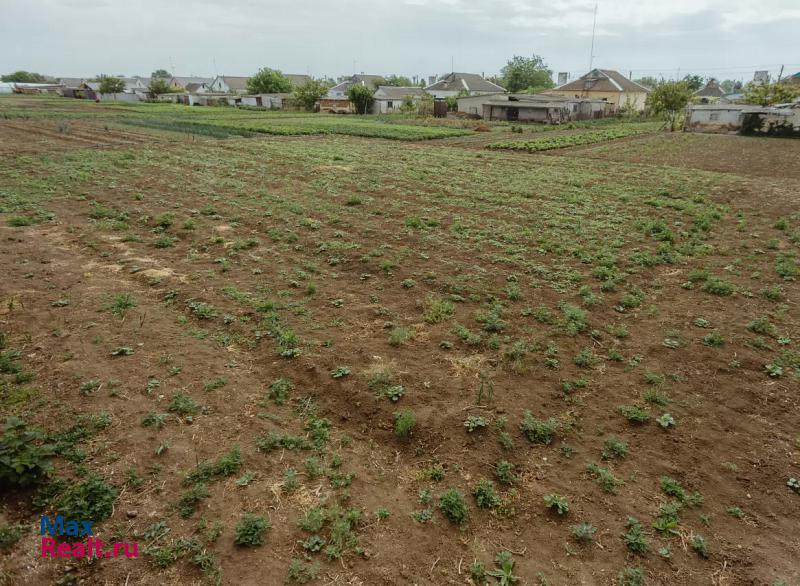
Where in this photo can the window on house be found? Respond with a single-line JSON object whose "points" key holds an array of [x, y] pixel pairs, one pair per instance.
{"points": [[389, 104], [714, 116]]}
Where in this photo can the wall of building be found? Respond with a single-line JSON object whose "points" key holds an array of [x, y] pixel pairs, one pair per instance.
{"points": [[713, 120], [637, 100]]}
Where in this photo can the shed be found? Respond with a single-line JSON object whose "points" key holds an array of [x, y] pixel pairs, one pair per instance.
{"points": [[715, 118]]}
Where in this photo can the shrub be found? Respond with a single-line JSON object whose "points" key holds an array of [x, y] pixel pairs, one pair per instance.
{"points": [[91, 499], [485, 495], [190, 498], [634, 413], [250, 530], [184, 405], [557, 503], [607, 481], [437, 310], [24, 457], [404, 422], [614, 448], [300, 572], [720, 287], [9, 535], [538, 431], [279, 390], [634, 538], [714, 339], [699, 545], [474, 422], [584, 532], [453, 506], [505, 472]]}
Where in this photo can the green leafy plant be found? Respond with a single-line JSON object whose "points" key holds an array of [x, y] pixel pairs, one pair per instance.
{"points": [[250, 530], [634, 538], [474, 422], [607, 481], [485, 495], [538, 431], [91, 499], [24, 454], [584, 532], [557, 503], [404, 422], [453, 506]]}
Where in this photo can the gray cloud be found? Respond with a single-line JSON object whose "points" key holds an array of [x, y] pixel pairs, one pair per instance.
{"points": [[726, 38]]}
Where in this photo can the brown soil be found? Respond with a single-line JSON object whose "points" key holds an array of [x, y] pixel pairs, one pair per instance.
{"points": [[724, 414]]}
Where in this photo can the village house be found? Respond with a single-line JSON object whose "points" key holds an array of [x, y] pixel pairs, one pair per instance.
{"points": [[389, 99], [608, 85], [192, 85], [454, 84], [336, 100], [227, 84], [709, 92]]}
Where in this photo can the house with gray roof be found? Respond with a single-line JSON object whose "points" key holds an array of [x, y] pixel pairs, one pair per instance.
{"points": [[390, 99], [454, 84]]}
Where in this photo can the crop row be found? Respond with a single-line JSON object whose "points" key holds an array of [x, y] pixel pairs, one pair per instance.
{"points": [[570, 140]]}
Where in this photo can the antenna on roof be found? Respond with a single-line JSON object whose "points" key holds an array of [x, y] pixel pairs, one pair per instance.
{"points": [[594, 29]]}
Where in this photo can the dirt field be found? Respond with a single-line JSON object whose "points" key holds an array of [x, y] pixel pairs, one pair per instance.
{"points": [[168, 297]]}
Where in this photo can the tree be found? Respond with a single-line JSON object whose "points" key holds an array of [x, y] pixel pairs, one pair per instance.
{"points": [[648, 81], [730, 86], [25, 77], [669, 98], [111, 85], [158, 86], [522, 73], [269, 81], [161, 74], [694, 82], [765, 94], [361, 97], [309, 93], [397, 81]]}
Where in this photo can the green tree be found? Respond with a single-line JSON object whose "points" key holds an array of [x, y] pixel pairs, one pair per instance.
{"points": [[668, 99], [729, 86], [161, 74], [111, 85], [694, 82], [397, 81], [765, 94], [269, 81], [158, 86], [648, 81], [522, 73], [24, 77], [309, 93], [361, 97]]}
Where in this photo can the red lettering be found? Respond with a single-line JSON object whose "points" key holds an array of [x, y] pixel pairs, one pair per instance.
{"points": [[64, 550], [134, 553], [48, 547]]}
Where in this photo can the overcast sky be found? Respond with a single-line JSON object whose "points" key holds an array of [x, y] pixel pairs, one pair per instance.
{"points": [[724, 38]]}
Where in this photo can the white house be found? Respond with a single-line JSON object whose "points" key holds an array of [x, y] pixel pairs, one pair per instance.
{"points": [[389, 99], [454, 84]]}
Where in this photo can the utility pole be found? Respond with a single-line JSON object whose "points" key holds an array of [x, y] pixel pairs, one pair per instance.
{"points": [[594, 29], [780, 75], [452, 64]]}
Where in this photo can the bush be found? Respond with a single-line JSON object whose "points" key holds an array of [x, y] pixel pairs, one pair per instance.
{"points": [[9, 535], [485, 495], [437, 310], [24, 458], [404, 422], [91, 499], [557, 502], [538, 431], [453, 506], [250, 530]]}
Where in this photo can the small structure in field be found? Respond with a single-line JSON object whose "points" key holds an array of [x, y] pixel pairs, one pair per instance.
{"points": [[543, 108], [722, 118], [336, 100]]}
